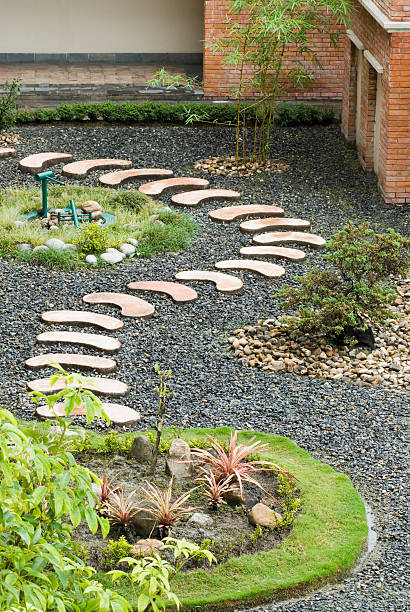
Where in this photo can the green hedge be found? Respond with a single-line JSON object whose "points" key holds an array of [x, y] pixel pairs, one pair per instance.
{"points": [[159, 112]]}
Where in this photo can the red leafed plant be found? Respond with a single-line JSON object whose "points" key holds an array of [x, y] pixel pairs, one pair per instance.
{"points": [[160, 506], [232, 463], [121, 510], [215, 489], [106, 489]]}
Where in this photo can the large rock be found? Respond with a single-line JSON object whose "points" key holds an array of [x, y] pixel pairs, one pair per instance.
{"points": [[24, 246], [201, 519], [127, 249], [264, 516], [91, 259], [91, 206], [112, 258], [41, 247], [55, 243], [144, 524], [178, 463], [147, 547], [141, 449]]}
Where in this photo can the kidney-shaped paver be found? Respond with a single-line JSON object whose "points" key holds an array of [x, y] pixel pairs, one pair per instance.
{"points": [[130, 305]]}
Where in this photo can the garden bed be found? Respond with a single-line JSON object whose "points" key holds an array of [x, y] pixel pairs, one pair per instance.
{"points": [[325, 539]]}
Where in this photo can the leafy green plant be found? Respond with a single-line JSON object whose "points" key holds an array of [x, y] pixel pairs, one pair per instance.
{"points": [[43, 494], [53, 258], [159, 504], [115, 551], [157, 238], [291, 501], [163, 78], [8, 103], [115, 444], [163, 393], [256, 534], [92, 239], [153, 574], [232, 464], [256, 41], [301, 114], [339, 301]]}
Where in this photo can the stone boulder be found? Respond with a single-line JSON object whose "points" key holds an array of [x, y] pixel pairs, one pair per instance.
{"points": [[55, 243], [90, 206], [112, 258], [144, 523], [178, 462], [141, 449], [264, 516], [147, 547]]}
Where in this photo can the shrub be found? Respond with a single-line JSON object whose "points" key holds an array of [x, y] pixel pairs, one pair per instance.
{"points": [[301, 114], [338, 302], [121, 510], [132, 200], [43, 494], [162, 239], [8, 103], [115, 551], [92, 239]]}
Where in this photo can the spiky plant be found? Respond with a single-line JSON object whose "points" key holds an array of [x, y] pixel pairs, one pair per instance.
{"points": [[160, 506], [105, 491], [232, 463], [121, 510], [214, 489]]}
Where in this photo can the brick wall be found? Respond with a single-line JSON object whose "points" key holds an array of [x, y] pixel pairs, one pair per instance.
{"points": [[393, 53], [218, 79]]}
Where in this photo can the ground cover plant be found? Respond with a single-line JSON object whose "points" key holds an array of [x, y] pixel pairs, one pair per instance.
{"points": [[136, 216]]}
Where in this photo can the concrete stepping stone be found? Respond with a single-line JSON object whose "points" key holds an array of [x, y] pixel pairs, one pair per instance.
{"points": [[156, 188], [261, 267], [74, 360], [232, 213], [7, 152], [130, 305], [104, 343], [82, 317], [193, 198], [100, 386], [260, 225], [117, 413], [270, 251], [81, 169], [115, 179], [224, 282], [39, 161], [177, 291], [299, 237]]}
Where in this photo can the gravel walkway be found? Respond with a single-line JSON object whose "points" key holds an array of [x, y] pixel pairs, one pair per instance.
{"points": [[355, 429]]}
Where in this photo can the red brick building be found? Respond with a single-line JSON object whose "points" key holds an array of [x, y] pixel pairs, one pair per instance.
{"points": [[369, 74]]}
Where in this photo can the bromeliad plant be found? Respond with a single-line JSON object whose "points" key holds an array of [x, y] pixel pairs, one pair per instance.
{"points": [[215, 489], [233, 464], [121, 510], [159, 504], [153, 574]]}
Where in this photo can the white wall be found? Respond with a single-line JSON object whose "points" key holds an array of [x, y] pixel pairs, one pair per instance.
{"points": [[101, 26]]}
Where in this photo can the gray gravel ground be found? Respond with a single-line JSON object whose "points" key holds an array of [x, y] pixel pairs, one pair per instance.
{"points": [[357, 430]]}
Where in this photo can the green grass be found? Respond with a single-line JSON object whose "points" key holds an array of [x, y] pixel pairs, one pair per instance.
{"points": [[129, 206], [327, 537]]}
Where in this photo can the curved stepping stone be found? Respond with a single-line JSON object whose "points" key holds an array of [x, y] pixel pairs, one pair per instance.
{"points": [[193, 198], [39, 161], [130, 305], [178, 292], [231, 213], [103, 386], [259, 225], [75, 360], [81, 169], [270, 251], [7, 152], [82, 317], [104, 343], [261, 267], [114, 179], [224, 282], [172, 184], [300, 237], [117, 413]]}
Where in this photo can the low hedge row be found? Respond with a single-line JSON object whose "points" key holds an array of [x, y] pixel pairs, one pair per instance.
{"points": [[159, 112]]}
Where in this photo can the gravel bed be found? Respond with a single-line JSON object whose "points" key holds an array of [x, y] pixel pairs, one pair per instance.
{"points": [[357, 430]]}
